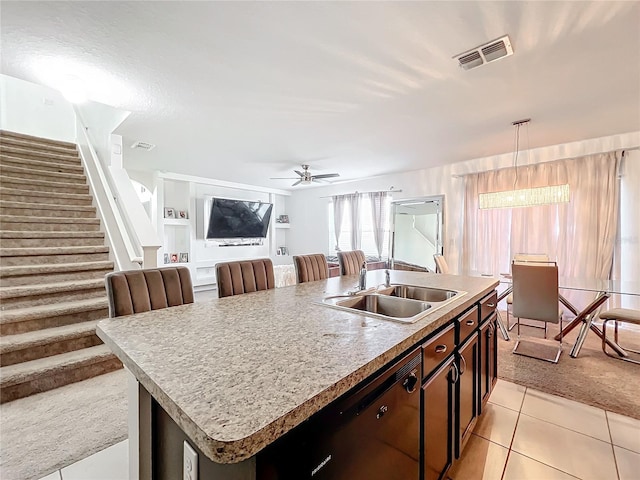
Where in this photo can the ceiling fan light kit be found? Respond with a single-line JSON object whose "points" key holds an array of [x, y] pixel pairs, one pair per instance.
{"points": [[306, 178]]}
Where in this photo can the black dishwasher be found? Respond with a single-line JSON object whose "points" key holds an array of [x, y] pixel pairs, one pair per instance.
{"points": [[370, 433]]}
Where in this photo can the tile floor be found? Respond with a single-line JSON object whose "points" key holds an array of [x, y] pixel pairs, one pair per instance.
{"points": [[524, 434]]}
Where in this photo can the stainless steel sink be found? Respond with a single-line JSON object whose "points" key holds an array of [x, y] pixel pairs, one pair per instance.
{"points": [[398, 303], [413, 292], [385, 305]]}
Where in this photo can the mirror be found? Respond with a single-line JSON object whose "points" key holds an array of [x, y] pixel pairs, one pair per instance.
{"points": [[416, 232]]}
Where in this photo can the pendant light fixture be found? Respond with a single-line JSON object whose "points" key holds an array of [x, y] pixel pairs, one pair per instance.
{"points": [[525, 197]]}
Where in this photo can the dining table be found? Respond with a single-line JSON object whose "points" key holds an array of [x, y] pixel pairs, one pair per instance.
{"points": [[602, 290]]}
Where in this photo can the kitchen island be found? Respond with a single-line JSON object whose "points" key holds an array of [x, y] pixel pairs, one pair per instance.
{"points": [[234, 375]]}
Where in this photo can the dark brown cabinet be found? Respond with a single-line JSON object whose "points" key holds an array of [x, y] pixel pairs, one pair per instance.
{"points": [[467, 391], [488, 358], [438, 407]]}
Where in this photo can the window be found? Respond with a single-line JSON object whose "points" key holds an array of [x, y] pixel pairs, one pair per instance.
{"points": [[368, 244]]}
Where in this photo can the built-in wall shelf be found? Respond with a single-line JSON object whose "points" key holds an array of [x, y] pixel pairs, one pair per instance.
{"points": [[177, 221], [282, 225]]}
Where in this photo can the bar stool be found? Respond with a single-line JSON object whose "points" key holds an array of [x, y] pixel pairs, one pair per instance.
{"points": [[616, 315]]}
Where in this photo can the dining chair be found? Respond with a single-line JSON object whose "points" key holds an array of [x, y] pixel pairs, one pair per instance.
{"points": [[535, 258], [311, 267], [136, 291], [536, 296], [351, 262], [244, 276], [616, 315], [441, 264]]}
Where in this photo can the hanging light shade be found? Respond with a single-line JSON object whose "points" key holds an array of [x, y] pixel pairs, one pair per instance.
{"points": [[525, 197]]}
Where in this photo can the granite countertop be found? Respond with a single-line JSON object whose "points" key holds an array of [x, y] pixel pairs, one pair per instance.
{"points": [[238, 372]]}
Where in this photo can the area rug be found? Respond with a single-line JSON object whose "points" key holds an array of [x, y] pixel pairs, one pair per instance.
{"points": [[592, 378], [50, 430]]}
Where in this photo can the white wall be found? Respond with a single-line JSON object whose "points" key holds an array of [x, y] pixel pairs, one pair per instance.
{"points": [[101, 120], [35, 110], [306, 205]]}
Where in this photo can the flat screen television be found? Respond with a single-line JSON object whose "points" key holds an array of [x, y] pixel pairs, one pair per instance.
{"points": [[238, 219]]}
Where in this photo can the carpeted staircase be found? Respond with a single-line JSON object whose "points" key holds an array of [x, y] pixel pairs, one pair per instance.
{"points": [[52, 266]]}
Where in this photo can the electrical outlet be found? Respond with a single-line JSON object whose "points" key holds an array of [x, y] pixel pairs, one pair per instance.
{"points": [[189, 463]]}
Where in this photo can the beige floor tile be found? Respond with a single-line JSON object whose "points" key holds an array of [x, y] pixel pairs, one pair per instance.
{"points": [[625, 431], [52, 476], [574, 453], [508, 395], [566, 413], [628, 463], [110, 464], [497, 424], [520, 467], [481, 460]]}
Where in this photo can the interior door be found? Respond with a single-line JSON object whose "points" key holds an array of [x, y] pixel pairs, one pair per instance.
{"points": [[416, 231]]}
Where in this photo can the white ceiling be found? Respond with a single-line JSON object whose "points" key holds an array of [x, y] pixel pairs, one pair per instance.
{"points": [[243, 91]]}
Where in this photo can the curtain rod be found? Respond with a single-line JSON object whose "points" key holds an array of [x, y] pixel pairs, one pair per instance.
{"points": [[462, 175], [391, 190]]}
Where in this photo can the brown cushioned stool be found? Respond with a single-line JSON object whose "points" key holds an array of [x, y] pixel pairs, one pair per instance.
{"points": [[310, 268], [136, 291], [245, 276], [616, 315]]}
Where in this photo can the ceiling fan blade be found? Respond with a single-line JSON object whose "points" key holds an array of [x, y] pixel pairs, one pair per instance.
{"points": [[326, 175], [296, 183], [283, 178], [299, 173]]}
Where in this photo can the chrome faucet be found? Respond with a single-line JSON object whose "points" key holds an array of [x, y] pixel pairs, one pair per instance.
{"points": [[387, 278], [362, 281]]}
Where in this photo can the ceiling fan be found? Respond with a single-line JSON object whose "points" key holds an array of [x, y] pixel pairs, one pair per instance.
{"points": [[306, 178]]}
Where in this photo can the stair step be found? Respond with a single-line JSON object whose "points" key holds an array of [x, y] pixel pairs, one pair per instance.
{"points": [[61, 272], [42, 185], [7, 160], [24, 347], [47, 316], [70, 158], [37, 174], [21, 296], [29, 223], [10, 257], [34, 196], [11, 137], [22, 239], [44, 374], [31, 145], [46, 210]]}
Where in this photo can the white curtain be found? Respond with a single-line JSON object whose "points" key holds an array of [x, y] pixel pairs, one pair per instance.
{"points": [[339, 202], [579, 235], [379, 217], [356, 230]]}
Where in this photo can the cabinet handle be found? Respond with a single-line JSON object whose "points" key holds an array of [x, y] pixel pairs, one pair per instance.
{"points": [[441, 348], [455, 374], [464, 363], [491, 305], [470, 322]]}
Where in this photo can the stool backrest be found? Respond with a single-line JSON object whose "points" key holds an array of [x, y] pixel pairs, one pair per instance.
{"points": [[311, 267], [136, 291], [245, 276], [351, 262]]}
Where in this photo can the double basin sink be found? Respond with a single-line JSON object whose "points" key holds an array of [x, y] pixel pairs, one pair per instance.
{"points": [[399, 303]]}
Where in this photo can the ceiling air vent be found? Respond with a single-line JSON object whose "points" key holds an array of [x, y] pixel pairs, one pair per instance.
{"points": [[486, 53], [143, 146]]}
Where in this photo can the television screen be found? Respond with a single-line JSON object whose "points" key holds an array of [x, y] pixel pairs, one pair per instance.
{"points": [[238, 219]]}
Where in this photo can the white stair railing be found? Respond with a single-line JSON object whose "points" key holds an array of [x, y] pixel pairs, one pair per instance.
{"points": [[134, 244]]}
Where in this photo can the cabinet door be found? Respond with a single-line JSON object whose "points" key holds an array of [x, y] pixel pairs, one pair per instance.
{"points": [[438, 402], [488, 359], [467, 391]]}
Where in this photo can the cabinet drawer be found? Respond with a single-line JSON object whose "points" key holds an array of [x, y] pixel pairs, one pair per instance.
{"points": [[468, 323], [488, 304], [435, 350]]}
